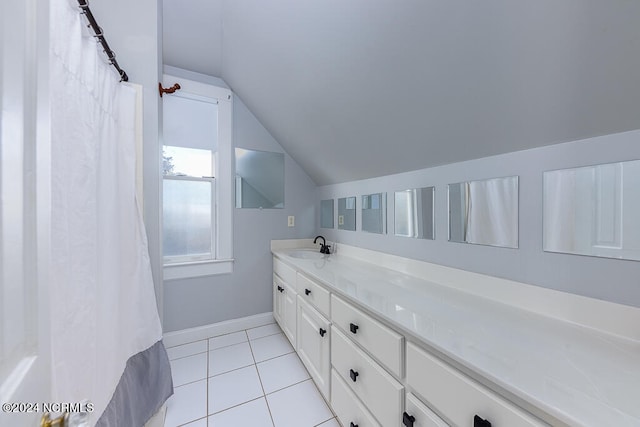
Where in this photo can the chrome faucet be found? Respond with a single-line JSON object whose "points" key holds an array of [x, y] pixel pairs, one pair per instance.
{"points": [[324, 248]]}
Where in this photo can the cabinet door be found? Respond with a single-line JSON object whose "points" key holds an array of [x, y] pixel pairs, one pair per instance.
{"points": [[289, 314], [313, 345], [278, 295]]}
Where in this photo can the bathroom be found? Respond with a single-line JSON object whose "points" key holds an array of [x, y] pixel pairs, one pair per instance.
{"points": [[358, 107]]}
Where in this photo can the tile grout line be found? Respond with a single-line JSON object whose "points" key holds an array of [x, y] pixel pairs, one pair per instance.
{"points": [[289, 386], [187, 343], [223, 335], [207, 394], [255, 364], [192, 421], [189, 383], [245, 366], [189, 355], [264, 395], [275, 357], [326, 421], [226, 372], [264, 336], [235, 406]]}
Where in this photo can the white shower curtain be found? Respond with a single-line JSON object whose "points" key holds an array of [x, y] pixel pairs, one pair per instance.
{"points": [[559, 219], [493, 212], [103, 301]]}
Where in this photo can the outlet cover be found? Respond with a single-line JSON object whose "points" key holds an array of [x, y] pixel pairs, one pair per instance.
{"points": [[291, 221]]}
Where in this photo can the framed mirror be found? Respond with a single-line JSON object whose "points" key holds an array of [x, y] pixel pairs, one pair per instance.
{"points": [[326, 213], [484, 212], [347, 213], [593, 210], [259, 179], [374, 213], [414, 213]]}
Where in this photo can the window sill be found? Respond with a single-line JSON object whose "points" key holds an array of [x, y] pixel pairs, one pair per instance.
{"points": [[187, 270]]}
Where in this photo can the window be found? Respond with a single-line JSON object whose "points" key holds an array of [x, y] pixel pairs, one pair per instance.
{"points": [[188, 193], [196, 181]]}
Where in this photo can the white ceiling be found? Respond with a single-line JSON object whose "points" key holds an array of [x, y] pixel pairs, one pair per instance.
{"points": [[354, 89]]}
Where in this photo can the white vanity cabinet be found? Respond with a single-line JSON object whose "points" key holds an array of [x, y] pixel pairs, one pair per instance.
{"points": [[313, 339], [370, 373]]}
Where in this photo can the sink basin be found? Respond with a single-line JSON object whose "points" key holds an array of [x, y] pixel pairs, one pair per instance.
{"points": [[306, 254]]}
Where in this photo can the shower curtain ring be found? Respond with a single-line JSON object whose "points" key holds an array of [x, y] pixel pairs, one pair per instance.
{"points": [[99, 34]]}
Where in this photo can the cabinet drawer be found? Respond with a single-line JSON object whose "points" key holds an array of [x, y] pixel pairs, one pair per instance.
{"points": [[313, 293], [457, 397], [383, 343], [421, 415], [285, 272], [377, 389], [347, 406]]}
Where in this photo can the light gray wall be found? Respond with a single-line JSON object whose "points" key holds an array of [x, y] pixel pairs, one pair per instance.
{"points": [[133, 31], [428, 82], [247, 291], [601, 278]]}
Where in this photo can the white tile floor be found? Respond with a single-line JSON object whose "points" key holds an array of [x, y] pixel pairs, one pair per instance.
{"points": [[247, 378]]}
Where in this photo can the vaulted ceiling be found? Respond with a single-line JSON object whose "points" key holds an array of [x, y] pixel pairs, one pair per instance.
{"points": [[354, 89]]}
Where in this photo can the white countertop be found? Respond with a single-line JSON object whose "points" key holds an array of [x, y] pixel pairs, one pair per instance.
{"points": [[579, 376]]}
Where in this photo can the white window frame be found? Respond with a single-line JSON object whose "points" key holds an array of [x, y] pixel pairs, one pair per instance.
{"points": [[222, 226]]}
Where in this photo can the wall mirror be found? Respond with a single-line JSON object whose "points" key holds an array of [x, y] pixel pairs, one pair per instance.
{"points": [[326, 213], [484, 212], [347, 213], [374, 213], [414, 213], [259, 179], [593, 210]]}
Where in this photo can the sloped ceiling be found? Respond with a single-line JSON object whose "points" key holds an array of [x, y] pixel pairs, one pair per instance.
{"points": [[354, 89]]}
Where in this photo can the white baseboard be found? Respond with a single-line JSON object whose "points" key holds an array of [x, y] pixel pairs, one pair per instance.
{"points": [[185, 336]]}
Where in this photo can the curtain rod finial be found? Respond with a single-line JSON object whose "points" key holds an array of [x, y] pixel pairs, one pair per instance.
{"points": [[171, 89]]}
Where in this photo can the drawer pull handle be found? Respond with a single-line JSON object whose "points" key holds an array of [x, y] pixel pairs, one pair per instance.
{"points": [[353, 425], [353, 374], [479, 422], [322, 332], [307, 291], [353, 328], [408, 420], [280, 289]]}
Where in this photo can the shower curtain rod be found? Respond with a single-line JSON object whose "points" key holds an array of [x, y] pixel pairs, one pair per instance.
{"points": [[84, 5]]}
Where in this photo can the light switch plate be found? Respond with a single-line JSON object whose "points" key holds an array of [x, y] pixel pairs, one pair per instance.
{"points": [[291, 221]]}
